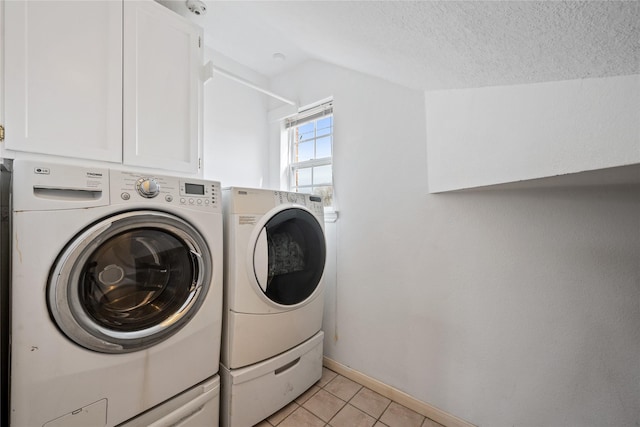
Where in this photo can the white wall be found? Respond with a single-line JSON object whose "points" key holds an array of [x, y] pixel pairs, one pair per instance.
{"points": [[236, 142], [504, 307]]}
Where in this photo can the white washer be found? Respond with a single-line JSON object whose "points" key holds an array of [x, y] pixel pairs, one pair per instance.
{"points": [[275, 254], [116, 295]]}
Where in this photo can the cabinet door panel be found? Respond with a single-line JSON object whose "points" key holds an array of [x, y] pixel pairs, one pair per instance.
{"points": [[63, 78], [162, 63]]}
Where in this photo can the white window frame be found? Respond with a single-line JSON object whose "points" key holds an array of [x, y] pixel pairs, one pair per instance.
{"points": [[306, 115]]}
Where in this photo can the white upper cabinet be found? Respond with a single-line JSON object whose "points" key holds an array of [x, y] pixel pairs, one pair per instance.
{"points": [[105, 80], [63, 78], [162, 63]]}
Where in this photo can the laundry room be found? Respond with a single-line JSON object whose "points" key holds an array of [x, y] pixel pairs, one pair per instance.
{"points": [[478, 206]]}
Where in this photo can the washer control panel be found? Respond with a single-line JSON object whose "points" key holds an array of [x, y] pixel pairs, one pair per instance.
{"points": [[198, 192], [188, 192]]}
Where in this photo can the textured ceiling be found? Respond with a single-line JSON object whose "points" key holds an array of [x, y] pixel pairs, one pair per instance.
{"points": [[431, 44]]}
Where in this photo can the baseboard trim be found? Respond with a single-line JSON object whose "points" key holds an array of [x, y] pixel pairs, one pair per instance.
{"points": [[396, 395]]}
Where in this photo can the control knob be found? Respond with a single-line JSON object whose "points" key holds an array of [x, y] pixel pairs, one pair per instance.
{"points": [[148, 187]]}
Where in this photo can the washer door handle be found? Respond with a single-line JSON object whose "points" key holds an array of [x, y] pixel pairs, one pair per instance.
{"points": [[261, 260]]}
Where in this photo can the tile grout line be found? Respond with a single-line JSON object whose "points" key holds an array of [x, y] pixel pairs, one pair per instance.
{"points": [[399, 397], [346, 402]]}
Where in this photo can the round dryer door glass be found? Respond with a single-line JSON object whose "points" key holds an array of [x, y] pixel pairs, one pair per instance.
{"points": [[129, 281], [289, 256]]}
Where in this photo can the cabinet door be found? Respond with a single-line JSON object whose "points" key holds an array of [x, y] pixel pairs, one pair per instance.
{"points": [[63, 78], [162, 87]]}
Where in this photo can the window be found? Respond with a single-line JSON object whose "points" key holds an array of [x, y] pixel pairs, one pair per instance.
{"points": [[310, 139]]}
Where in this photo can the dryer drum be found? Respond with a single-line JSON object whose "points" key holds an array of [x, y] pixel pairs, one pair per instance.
{"points": [[297, 254], [129, 281], [285, 254]]}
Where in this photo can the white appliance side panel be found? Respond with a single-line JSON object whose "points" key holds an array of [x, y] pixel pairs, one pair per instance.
{"points": [[251, 394], [63, 78], [255, 337]]}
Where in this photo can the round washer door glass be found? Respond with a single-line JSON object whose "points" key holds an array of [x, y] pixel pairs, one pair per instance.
{"points": [[130, 281], [289, 256]]}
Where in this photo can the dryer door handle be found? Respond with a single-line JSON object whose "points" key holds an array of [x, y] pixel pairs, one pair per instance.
{"points": [[261, 260]]}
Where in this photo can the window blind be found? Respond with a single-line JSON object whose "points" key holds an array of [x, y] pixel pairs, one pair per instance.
{"points": [[310, 114]]}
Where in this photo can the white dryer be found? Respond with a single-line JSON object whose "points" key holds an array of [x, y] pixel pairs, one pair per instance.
{"points": [[116, 297], [275, 253]]}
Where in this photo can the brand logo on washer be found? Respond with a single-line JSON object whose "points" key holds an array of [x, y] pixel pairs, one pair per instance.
{"points": [[42, 171], [94, 175]]}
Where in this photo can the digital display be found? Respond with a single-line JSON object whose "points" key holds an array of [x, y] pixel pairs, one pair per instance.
{"points": [[194, 189]]}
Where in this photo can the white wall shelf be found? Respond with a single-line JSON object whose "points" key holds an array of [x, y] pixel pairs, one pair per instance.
{"points": [[616, 176], [496, 135]]}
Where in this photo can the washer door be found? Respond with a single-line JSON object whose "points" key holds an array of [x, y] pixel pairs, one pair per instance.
{"points": [[289, 257], [129, 281]]}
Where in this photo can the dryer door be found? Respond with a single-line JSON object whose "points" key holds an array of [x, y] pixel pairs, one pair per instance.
{"points": [[289, 257], [129, 281]]}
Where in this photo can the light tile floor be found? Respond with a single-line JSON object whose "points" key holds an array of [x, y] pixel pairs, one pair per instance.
{"points": [[336, 401]]}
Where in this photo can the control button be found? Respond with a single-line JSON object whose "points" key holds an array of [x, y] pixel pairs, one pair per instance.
{"points": [[183, 200], [190, 201], [168, 198], [148, 187], [206, 202], [199, 201], [125, 196]]}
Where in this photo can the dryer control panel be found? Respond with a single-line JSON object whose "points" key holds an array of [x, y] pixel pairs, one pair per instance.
{"points": [[310, 201], [188, 192]]}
